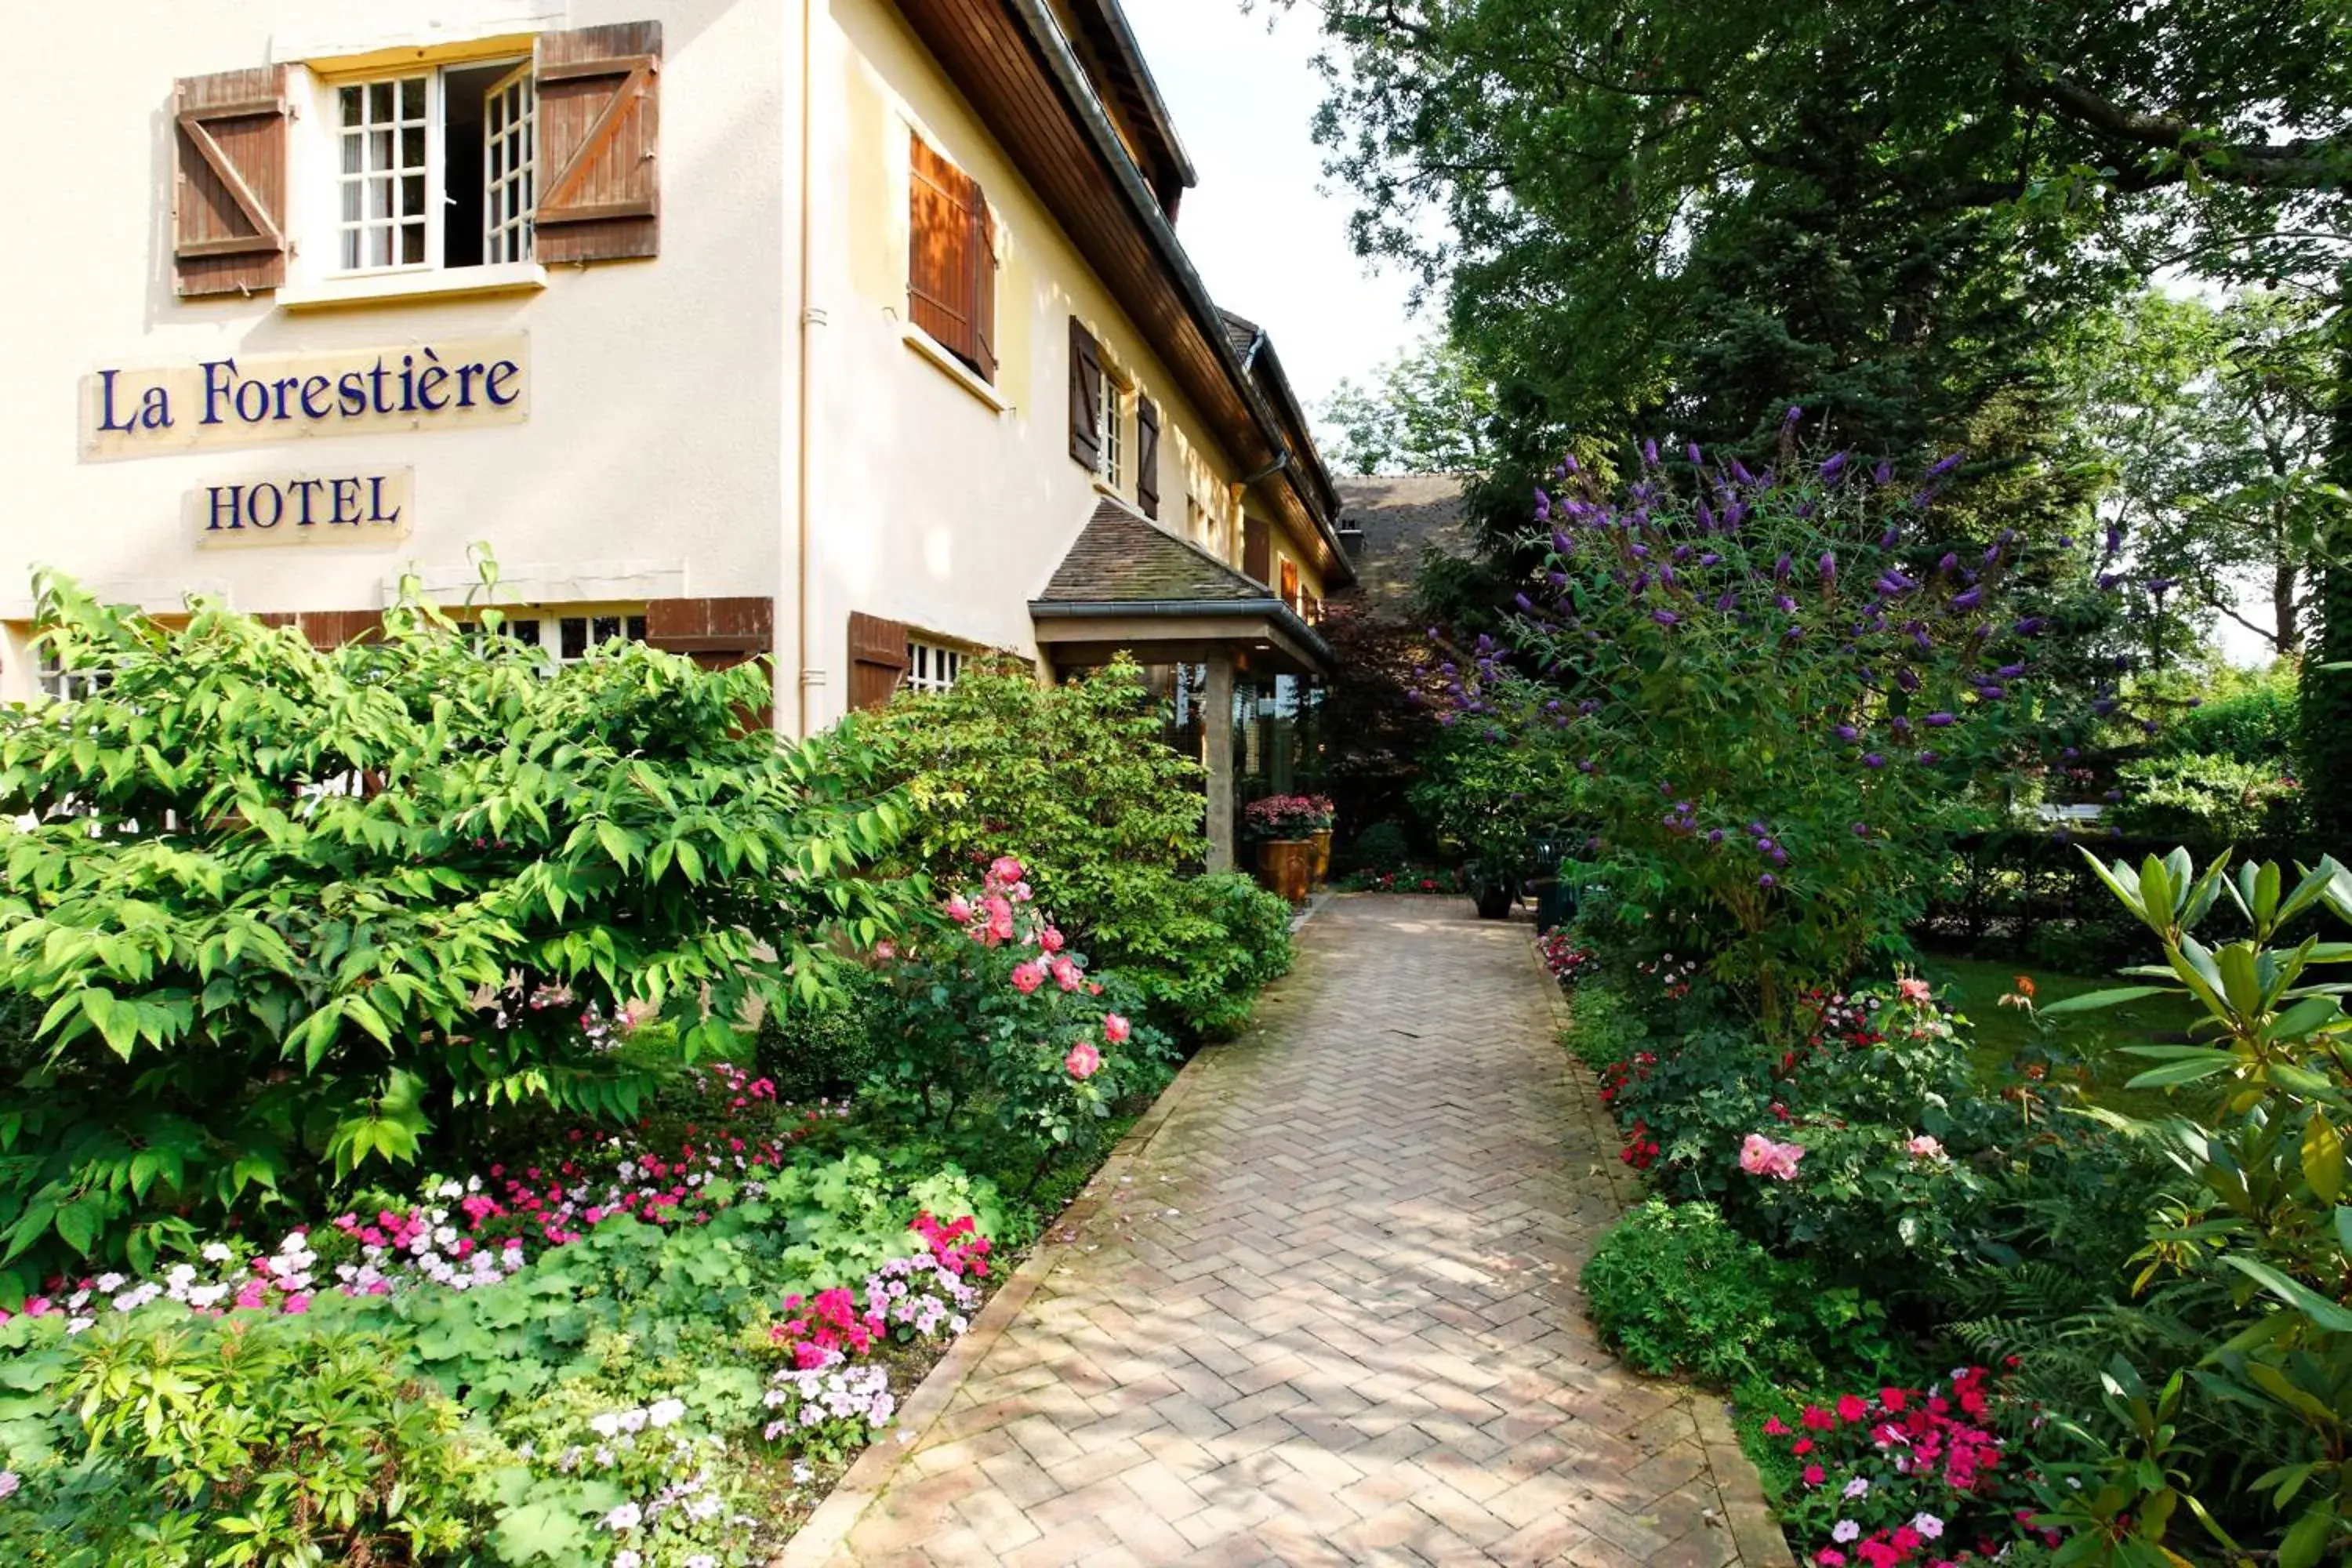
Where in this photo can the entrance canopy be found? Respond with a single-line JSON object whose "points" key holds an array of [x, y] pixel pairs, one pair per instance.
{"points": [[1128, 585]]}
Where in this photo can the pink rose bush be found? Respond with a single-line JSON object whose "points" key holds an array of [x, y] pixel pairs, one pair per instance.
{"points": [[999, 1015], [1760, 1156]]}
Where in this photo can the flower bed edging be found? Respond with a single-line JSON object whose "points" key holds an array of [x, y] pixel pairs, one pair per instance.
{"points": [[1756, 1535], [817, 1540]]}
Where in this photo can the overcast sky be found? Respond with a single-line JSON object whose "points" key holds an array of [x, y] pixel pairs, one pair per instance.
{"points": [[1268, 244]]}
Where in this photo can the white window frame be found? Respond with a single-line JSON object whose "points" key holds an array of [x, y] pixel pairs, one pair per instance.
{"points": [[57, 683], [1110, 431], [931, 666], [517, 185], [544, 631], [320, 178]]}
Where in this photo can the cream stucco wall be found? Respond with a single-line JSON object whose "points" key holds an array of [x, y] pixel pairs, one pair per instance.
{"points": [[655, 458], [932, 504]]}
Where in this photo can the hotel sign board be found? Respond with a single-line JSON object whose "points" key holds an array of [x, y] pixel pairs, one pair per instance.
{"points": [[243, 400], [362, 506]]}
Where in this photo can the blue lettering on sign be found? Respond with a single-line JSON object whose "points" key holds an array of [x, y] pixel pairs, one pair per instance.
{"points": [[354, 501], [421, 383]]}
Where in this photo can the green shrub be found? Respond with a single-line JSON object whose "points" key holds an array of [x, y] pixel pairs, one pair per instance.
{"points": [[826, 1049], [2207, 799], [164, 1440], [1382, 847], [2253, 724], [1677, 1291], [1223, 939], [288, 911], [1078, 783], [1605, 1026]]}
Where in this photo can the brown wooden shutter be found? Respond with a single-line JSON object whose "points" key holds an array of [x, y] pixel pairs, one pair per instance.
{"points": [[877, 659], [982, 250], [1146, 455], [229, 187], [939, 260], [1085, 396], [745, 628], [1290, 583], [1257, 548], [599, 123]]}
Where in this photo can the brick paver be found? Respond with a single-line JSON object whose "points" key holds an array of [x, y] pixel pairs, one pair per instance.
{"points": [[1328, 1314]]}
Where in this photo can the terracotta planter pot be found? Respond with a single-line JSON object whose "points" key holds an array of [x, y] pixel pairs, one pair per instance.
{"points": [[1284, 866], [1321, 839]]}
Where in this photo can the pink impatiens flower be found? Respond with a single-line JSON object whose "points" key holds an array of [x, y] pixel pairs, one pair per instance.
{"points": [[1084, 1061]]}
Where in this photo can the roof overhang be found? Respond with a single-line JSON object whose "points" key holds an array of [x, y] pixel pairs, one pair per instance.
{"points": [[1016, 70], [1260, 632]]}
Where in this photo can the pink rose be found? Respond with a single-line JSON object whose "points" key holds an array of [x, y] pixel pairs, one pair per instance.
{"points": [[960, 910], [1925, 1148], [1050, 939], [1000, 920], [1084, 1061], [1027, 977], [1065, 973], [886, 949], [1115, 1029], [1911, 988], [1004, 868], [1760, 1156]]}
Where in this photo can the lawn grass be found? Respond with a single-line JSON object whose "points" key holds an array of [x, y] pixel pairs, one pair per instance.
{"points": [[2006, 1039]]}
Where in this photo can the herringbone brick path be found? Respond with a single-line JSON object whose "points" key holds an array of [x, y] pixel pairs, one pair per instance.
{"points": [[1328, 1314]]}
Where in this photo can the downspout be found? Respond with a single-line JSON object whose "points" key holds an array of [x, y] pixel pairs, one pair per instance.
{"points": [[808, 319]]}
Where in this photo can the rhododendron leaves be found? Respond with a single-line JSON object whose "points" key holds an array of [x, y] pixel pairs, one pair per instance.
{"points": [[2093, 1001]]}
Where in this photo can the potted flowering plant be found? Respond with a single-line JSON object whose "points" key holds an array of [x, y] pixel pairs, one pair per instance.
{"points": [[1283, 826], [1319, 835]]}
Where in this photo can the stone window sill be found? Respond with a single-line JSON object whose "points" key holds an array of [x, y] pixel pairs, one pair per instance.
{"points": [[425, 283], [962, 374]]}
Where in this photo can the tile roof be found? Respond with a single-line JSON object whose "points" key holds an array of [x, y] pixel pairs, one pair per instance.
{"points": [[1401, 516], [1241, 333], [1120, 557]]}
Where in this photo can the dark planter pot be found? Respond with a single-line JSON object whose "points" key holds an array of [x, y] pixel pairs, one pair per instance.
{"points": [[1496, 899]]}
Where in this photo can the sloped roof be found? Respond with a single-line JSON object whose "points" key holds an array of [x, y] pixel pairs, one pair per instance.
{"points": [[1401, 516], [1242, 333], [1121, 558]]}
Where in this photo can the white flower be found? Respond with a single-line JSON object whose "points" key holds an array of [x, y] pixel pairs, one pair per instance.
{"points": [[9, 1482], [628, 1516], [1927, 1525], [76, 1325], [1857, 1486], [606, 1425], [216, 1252], [802, 1473], [624, 1558], [110, 1283], [1845, 1530], [666, 1410]]}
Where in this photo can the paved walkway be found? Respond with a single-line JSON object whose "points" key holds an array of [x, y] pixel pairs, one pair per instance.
{"points": [[1327, 1313]]}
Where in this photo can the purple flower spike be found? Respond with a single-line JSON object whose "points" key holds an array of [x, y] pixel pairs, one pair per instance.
{"points": [[1872, 759], [1665, 617], [1848, 732], [1526, 605], [1940, 721], [1543, 505], [1948, 562], [1833, 466], [1793, 415], [1970, 600], [1929, 759], [1650, 453], [1696, 461], [1883, 474], [1724, 601], [1829, 567], [1861, 830], [1715, 835], [1781, 568], [1946, 465], [1767, 883], [2030, 625]]}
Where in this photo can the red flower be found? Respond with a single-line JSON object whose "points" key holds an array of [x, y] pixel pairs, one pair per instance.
{"points": [[1890, 1400], [1815, 1475], [1816, 1419], [1850, 1408]]}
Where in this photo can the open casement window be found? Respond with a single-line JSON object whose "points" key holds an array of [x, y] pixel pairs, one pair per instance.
{"points": [[433, 168], [877, 659], [951, 260], [228, 181], [1085, 396], [1111, 440], [599, 128], [1257, 548], [564, 640], [1147, 457]]}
